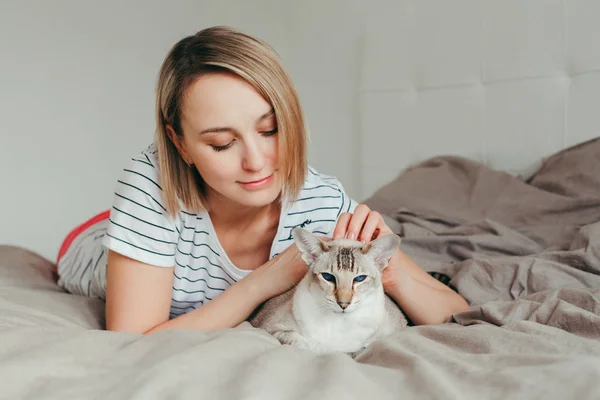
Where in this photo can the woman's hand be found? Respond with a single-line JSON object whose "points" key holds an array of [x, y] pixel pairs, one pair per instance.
{"points": [[363, 225], [423, 298], [287, 269], [279, 274], [238, 301]]}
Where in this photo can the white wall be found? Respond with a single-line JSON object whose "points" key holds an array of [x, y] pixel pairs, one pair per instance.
{"points": [[323, 59], [77, 83], [503, 82], [383, 85]]}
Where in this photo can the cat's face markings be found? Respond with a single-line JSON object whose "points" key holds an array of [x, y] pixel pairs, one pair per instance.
{"points": [[345, 259], [345, 278], [352, 270]]}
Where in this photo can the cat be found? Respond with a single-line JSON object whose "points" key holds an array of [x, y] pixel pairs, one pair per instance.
{"points": [[340, 304]]}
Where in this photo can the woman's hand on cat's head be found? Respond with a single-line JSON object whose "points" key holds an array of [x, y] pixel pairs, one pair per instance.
{"points": [[363, 225]]}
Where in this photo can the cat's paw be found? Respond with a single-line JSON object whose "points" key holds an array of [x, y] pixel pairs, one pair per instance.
{"points": [[289, 337]]}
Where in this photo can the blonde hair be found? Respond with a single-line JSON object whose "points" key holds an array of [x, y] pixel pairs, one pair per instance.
{"points": [[223, 49]]}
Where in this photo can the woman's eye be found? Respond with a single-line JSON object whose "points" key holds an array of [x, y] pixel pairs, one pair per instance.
{"points": [[328, 277], [269, 133], [360, 278], [221, 148]]}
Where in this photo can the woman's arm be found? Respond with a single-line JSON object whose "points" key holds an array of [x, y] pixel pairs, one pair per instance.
{"points": [[424, 299], [138, 296]]}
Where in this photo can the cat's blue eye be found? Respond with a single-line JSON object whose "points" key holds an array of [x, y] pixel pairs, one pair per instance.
{"points": [[328, 277], [360, 278]]}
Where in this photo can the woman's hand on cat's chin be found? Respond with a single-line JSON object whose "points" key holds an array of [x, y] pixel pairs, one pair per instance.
{"points": [[363, 225]]}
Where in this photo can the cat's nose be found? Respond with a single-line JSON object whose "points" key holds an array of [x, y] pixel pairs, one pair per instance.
{"points": [[343, 304]]}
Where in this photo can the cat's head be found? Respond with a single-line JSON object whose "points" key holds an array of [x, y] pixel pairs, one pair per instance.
{"points": [[345, 271]]}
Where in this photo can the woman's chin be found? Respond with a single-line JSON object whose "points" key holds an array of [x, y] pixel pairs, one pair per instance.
{"points": [[257, 198]]}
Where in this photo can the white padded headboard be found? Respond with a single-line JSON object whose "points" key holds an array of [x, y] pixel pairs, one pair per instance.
{"points": [[506, 82]]}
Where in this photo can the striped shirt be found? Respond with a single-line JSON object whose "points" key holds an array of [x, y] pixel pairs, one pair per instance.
{"points": [[140, 228]]}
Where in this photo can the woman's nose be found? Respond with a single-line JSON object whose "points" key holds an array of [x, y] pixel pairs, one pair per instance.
{"points": [[254, 157]]}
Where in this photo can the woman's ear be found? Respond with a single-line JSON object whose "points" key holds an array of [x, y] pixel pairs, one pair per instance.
{"points": [[178, 142]]}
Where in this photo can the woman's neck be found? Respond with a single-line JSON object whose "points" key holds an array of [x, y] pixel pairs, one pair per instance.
{"points": [[224, 212]]}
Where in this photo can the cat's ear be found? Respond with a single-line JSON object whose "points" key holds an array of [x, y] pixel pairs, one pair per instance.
{"points": [[382, 249], [310, 246]]}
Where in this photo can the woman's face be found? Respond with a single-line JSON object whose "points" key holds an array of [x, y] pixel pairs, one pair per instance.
{"points": [[230, 135]]}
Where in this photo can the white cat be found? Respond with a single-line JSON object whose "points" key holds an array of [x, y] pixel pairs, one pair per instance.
{"points": [[340, 304]]}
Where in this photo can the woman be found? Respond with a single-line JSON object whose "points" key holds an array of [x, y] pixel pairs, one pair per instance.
{"points": [[199, 232]]}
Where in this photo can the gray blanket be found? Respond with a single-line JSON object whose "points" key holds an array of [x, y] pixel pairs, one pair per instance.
{"points": [[525, 254]]}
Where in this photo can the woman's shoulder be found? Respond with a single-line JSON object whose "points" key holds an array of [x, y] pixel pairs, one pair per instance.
{"points": [[139, 181], [322, 194], [148, 157], [319, 182], [142, 174], [143, 171], [140, 226]]}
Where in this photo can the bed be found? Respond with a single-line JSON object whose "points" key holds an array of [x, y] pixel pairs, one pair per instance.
{"points": [[525, 254], [505, 202]]}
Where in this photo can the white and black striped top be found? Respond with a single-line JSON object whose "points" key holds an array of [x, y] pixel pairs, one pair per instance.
{"points": [[140, 228]]}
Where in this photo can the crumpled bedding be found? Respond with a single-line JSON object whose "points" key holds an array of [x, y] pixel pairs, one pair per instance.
{"points": [[524, 253]]}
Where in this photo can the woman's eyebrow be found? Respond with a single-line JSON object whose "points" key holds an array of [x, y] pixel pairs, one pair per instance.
{"points": [[222, 129], [266, 115], [227, 129]]}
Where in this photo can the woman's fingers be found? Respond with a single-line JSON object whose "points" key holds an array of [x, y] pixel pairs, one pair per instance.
{"points": [[361, 213], [342, 226], [363, 225], [373, 225]]}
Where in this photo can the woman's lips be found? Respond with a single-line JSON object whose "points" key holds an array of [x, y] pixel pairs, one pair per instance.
{"points": [[259, 184]]}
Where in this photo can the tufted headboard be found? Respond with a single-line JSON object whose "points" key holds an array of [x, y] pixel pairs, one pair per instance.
{"points": [[506, 82]]}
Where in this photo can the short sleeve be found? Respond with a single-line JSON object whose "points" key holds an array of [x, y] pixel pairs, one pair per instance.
{"points": [[139, 225]]}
